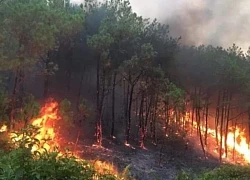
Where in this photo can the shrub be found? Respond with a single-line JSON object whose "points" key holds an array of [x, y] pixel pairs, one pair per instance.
{"points": [[23, 163], [224, 172]]}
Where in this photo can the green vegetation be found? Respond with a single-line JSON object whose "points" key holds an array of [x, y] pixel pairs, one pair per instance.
{"points": [[229, 172], [22, 163], [119, 71]]}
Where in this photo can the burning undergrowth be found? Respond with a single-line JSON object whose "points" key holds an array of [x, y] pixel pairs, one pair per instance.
{"points": [[231, 146], [41, 142]]}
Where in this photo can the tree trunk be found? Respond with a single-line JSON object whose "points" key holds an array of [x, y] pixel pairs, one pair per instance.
{"points": [[141, 120], [78, 99], [198, 119], [98, 107], [46, 77], [227, 120], [129, 114], [222, 124], [217, 116], [155, 116], [69, 71], [113, 105], [206, 119], [13, 100]]}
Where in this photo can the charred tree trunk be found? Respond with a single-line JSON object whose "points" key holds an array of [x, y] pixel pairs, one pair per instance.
{"points": [[113, 105], [166, 104], [46, 77], [69, 71], [222, 124], [206, 119], [227, 119], [98, 104], [193, 109], [147, 115], [78, 98], [13, 99], [198, 119], [129, 113], [217, 116], [154, 119], [141, 120]]}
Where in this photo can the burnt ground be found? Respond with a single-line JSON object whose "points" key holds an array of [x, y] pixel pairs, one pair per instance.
{"points": [[160, 162]]}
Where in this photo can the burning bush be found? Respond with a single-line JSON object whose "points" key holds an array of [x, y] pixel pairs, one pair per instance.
{"points": [[27, 162], [36, 155]]}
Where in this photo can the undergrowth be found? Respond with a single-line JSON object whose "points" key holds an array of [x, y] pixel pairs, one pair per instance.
{"points": [[21, 163], [224, 172]]}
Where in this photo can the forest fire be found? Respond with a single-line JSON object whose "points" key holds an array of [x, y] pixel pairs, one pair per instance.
{"points": [[48, 138], [236, 141], [45, 121]]}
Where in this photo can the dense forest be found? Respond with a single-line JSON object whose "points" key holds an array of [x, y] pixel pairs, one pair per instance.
{"points": [[122, 75]]}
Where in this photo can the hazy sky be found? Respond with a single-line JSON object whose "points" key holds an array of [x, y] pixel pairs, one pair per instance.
{"points": [[216, 22]]}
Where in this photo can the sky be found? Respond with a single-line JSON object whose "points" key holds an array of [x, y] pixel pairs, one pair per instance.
{"points": [[215, 22]]}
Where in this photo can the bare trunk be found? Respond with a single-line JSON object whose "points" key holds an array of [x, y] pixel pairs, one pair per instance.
{"points": [[198, 119], [141, 120], [13, 99], [113, 105], [98, 105], [69, 73], [46, 77], [217, 116], [206, 119], [227, 119], [129, 113], [221, 125]]}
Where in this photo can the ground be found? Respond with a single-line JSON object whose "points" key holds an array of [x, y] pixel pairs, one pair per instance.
{"points": [[161, 162]]}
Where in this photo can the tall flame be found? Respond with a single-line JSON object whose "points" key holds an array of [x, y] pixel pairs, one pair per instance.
{"points": [[45, 121], [236, 139], [48, 137]]}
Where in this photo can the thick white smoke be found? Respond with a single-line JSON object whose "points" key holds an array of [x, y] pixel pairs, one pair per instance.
{"points": [[216, 22]]}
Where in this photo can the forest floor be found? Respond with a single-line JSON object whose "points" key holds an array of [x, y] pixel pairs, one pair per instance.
{"points": [[162, 162]]}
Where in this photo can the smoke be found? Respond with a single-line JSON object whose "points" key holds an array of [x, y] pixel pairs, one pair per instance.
{"points": [[215, 22]]}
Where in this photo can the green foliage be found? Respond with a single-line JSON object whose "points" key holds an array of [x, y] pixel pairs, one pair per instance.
{"points": [[84, 108], [22, 163], [185, 175], [26, 138], [176, 97], [230, 172], [29, 29], [29, 110]]}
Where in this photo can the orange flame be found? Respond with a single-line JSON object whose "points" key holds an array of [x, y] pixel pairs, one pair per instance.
{"points": [[48, 137], [45, 122], [3, 128], [236, 139], [104, 168]]}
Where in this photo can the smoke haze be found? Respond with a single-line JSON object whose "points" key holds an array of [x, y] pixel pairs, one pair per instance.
{"points": [[215, 22]]}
